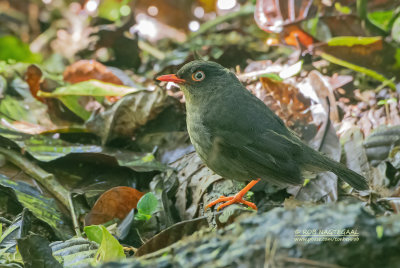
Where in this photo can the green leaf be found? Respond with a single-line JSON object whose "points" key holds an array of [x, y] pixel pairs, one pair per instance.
{"points": [[89, 88], [12, 48], [381, 18], [110, 249], [272, 76], [94, 233], [69, 95], [72, 103], [350, 41], [14, 109], [146, 206], [397, 57], [342, 9], [379, 231], [44, 208], [383, 102]]}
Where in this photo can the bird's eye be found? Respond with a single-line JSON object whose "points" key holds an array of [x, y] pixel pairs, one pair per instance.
{"points": [[198, 76]]}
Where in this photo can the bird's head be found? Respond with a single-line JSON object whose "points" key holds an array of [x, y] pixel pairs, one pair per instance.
{"points": [[199, 79]]}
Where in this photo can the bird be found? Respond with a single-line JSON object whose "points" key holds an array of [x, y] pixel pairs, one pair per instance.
{"points": [[238, 137]]}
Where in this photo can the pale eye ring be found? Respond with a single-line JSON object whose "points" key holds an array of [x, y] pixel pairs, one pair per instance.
{"points": [[198, 76]]}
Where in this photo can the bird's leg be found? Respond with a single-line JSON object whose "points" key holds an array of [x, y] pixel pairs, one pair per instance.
{"points": [[238, 198]]}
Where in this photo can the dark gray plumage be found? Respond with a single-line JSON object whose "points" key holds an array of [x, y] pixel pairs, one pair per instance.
{"points": [[240, 138]]}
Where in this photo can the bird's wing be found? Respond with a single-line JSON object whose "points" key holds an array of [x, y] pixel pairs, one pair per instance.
{"points": [[257, 138], [268, 155]]}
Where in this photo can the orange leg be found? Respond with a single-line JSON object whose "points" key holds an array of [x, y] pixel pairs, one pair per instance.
{"points": [[238, 198]]}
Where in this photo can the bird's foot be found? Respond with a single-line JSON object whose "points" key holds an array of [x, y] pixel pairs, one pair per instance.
{"points": [[238, 198]]}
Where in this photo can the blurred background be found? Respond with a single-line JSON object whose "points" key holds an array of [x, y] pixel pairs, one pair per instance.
{"points": [[79, 99]]}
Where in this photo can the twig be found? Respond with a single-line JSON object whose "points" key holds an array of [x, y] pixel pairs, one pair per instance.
{"points": [[4, 220], [244, 11], [47, 180], [73, 216], [158, 54]]}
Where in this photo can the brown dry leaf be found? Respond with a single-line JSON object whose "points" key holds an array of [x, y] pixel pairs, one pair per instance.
{"points": [[84, 70], [324, 90], [114, 203], [293, 105], [34, 79], [357, 160]]}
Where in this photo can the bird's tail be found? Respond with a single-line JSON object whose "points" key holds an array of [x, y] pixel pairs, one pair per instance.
{"points": [[354, 179]]}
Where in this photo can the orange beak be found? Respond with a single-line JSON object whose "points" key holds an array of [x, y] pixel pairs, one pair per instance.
{"points": [[171, 78]]}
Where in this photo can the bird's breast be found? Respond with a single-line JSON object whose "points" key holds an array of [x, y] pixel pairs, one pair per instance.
{"points": [[199, 134]]}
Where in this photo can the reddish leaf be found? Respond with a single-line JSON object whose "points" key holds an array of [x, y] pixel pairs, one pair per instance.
{"points": [[285, 17], [294, 35], [34, 79], [84, 70], [114, 203]]}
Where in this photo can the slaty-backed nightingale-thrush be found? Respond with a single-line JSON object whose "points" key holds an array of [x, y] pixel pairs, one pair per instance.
{"points": [[240, 138]]}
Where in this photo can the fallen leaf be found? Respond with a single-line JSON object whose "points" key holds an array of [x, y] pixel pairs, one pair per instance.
{"points": [[110, 249], [114, 203], [171, 235], [34, 79], [75, 251], [293, 105], [128, 114], [84, 70], [35, 252]]}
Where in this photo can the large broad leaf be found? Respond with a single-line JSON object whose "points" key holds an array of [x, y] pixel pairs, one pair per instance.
{"points": [[23, 225], [28, 110], [93, 88], [110, 249], [128, 114], [43, 208], [70, 95], [45, 149]]}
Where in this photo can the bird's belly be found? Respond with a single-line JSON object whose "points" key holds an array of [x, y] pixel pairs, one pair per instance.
{"points": [[209, 152], [227, 167]]}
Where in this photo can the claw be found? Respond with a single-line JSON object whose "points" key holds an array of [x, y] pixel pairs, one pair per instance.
{"points": [[238, 198]]}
